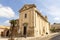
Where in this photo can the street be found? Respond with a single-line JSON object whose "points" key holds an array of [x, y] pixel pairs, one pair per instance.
{"points": [[53, 36]]}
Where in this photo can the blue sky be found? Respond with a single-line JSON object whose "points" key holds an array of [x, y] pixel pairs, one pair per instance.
{"points": [[9, 9]]}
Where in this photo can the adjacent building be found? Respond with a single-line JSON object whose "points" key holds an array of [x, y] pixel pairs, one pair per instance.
{"points": [[3, 30], [32, 22], [12, 30], [55, 27]]}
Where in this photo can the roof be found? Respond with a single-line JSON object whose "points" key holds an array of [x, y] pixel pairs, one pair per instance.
{"points": [[41, 15], [27, 6], [56, 25], [4, 27]]}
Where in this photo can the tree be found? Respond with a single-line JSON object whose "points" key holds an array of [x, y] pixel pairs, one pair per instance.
{"points": [[52, 29], [12, 22]]}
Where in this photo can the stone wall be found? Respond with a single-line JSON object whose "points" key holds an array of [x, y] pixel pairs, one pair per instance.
{"points": [[35, 22], [29, 20]]}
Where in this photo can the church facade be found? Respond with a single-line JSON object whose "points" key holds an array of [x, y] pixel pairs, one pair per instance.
{"points": [[32, 22]]}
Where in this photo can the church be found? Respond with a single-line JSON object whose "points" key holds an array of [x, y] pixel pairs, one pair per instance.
{"points": [[32, 23]]}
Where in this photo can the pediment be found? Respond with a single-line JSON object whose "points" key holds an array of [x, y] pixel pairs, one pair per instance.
{"points": [[27, 6]]}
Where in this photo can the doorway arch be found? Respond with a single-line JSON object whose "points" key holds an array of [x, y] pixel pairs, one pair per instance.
{"points": [[25, 29]]}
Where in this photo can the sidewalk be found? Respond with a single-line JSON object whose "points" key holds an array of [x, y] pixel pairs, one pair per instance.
{"points": [[39, 38], [34, 38], [49, 36]]}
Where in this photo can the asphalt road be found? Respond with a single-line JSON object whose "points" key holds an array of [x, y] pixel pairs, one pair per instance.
{"points": [[57, 37]]}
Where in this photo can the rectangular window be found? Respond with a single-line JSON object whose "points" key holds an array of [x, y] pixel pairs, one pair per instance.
{"points": [[25, 15]]}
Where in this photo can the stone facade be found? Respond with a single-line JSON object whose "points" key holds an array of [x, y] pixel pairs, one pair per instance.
{"points": [[5, 33], [32, 22], [3, 30], [55, 25]]}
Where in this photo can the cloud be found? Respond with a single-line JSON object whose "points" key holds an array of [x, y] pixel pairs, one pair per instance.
{"points": [[0, 5], [7, 23], [6, 11], [52, 9], [56, 18]]}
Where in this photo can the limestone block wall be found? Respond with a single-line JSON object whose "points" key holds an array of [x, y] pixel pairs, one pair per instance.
{"points": [[29, 20], [36, 23], [41, 25]]}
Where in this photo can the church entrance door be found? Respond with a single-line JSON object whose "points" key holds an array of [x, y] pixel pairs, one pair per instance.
{"points": [[25, 31]]}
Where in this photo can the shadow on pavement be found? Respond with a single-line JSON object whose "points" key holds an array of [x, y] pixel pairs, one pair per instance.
{"points": [[55, 38]]}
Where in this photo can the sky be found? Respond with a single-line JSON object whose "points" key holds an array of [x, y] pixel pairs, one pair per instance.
{"points": [[9, 9]]}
